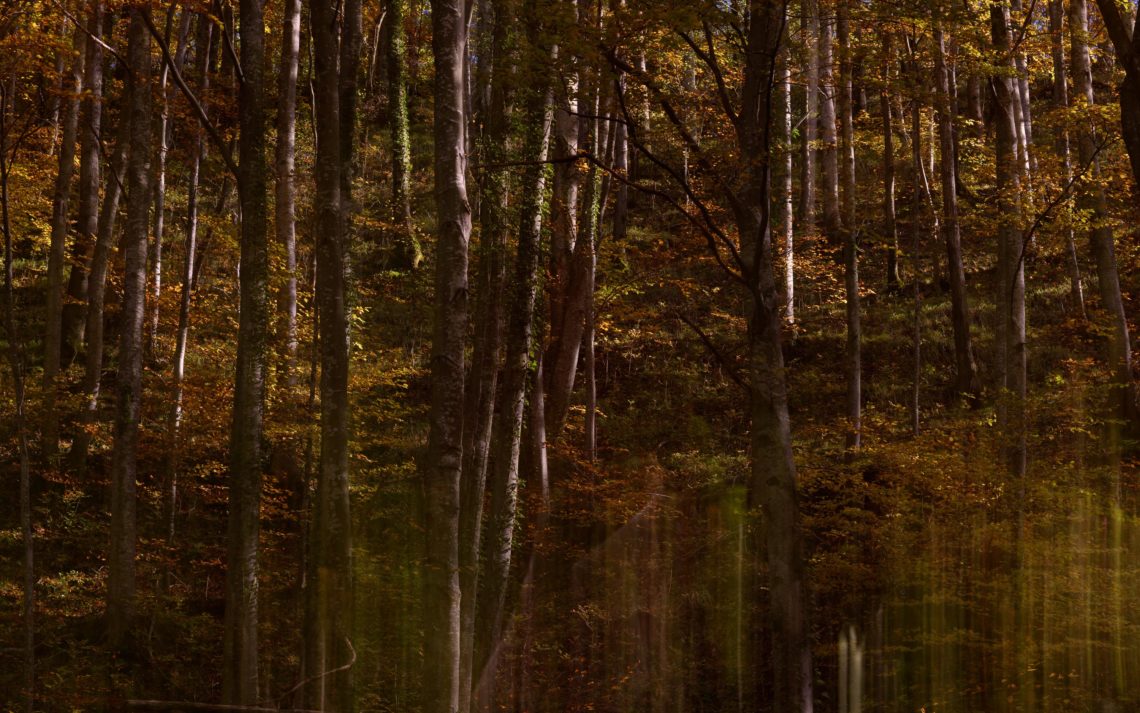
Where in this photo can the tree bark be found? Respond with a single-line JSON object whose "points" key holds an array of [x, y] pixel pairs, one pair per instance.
{"points": [[829, 149], [810, 30], [443, 467], [850, 237], [890, 224], [69, 119], [1091, 199], [240, 641], [285, 189], [121, 576], [1061, 101], [966, 381], [789, 209], [411, 254]]}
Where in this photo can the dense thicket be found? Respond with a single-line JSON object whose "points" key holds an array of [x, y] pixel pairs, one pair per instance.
{"points": [[765, 355]]}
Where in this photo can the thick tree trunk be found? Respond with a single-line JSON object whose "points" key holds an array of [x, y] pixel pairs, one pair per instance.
{"points": [[69, 119], [966, 382], [330, 579], [1091, 199], [121, 574], [773, 483], [285, 189], [443, 465], [849, 234], [240, 642]]}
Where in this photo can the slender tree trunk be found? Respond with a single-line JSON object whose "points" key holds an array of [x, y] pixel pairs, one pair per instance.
{"points": [[483, 374], [285, 190], [182, 337], [121, 576], [1061, 102], [443, 468], [96, 290], [72, 320], [1091, 199], [829, 151], [966, 371], [1025, 116], [916, 244], [69, 119], [1011, 273], [240, 642], [401, 208], [810, 29], [890, 224], [789, 210], [850, 236], [508, 427], [16, 363]]}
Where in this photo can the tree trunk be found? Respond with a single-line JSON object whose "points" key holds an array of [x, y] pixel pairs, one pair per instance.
{"points": [[850, 237], [789, 210], [829, 151], [966, 382], [443, 465], [890, 224], [240, 643], [408, 243], [483, 374], [69, 119], [96, 291], [1011, 273], [1061, 101], [182, 337], [916, 244], [285, 188], [121, 575], [810, 29], [1091, 199], [508, 427], [773, 482], [330, 578], [72, 320]]}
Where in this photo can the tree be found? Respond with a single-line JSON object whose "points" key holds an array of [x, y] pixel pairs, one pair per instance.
{"points": [[240, 643], [285, 193], [443, 466], [401, 207], [124, 473]]}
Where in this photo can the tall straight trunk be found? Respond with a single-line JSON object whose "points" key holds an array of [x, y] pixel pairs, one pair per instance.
{"points": [[829, 151], [285, 192], [498, 542], [182, 336], [483, 374], [1092, 200], [401, 207], [1061, 102], [443, 466], [330, 579], [16, 363], [96, 291], [121, 574], [69, 121], [1025, 116], [351, 38], [239, 641], [789, 209], [773, 479], [916, 244], [809, 23], [850, 236], [1011, 274], [966, 371], [621, 195], [890, 224]]}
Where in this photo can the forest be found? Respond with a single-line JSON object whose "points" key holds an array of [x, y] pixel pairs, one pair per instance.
{"points": [[456, 356]]}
